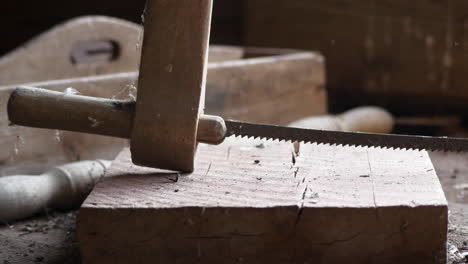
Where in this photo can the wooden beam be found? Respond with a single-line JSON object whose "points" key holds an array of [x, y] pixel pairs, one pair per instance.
{"points": [[266, 80], [256, 201]]}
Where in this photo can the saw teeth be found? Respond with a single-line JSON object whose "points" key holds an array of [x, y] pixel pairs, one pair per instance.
{"points": [[345, 139]]}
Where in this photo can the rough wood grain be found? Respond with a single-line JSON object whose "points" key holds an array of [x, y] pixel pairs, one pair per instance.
{"points": [[252, 202]]}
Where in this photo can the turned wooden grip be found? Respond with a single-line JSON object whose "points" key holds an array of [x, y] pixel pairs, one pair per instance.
{"points": [[368, 119], [41, 108], [64, 188]]}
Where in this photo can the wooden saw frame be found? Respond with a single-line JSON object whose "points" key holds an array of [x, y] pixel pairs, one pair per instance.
{"points": [[252, 84]]}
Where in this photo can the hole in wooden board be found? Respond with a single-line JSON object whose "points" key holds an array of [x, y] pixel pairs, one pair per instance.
{"points": [[94, 52]]}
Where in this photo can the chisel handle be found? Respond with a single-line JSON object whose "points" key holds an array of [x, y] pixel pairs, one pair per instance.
{"points": [[368, 119], [64, 188], [41, 108]]}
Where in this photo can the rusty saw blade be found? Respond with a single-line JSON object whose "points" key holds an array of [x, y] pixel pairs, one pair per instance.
{"points": [[261, 131]]}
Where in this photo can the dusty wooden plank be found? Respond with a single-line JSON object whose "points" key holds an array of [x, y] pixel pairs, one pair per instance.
{"points": [[263, 85], [251, 201], [402, 191], [62, 242]]}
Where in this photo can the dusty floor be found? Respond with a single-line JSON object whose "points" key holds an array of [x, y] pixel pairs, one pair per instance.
{"points": [[51, 239], [452, 169], [46, 239]]}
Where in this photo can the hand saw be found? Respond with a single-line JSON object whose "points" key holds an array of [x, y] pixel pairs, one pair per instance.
{"points": [[71, 55], [166, 123], [114, 118]]}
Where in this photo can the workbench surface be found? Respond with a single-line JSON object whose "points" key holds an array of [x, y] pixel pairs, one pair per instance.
{"points": [[51, 239]]}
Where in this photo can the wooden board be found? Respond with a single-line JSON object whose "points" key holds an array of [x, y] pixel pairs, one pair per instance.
{"points": [[406, 55], [267, 85], [252, 202]]}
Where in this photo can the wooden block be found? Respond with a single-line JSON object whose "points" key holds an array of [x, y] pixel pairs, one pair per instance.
{"points": [[252, 202]]}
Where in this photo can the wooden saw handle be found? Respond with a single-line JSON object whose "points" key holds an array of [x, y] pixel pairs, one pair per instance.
{"points": [[41, 108]]}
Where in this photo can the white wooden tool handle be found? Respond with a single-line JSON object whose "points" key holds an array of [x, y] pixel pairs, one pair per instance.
{"points": [[64, 188], [361, 119], [41, 108]]}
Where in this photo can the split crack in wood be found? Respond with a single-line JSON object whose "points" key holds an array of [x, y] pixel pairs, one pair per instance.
{"points": [[377, 217], [347, 239], [296, 168], [301, 208]]}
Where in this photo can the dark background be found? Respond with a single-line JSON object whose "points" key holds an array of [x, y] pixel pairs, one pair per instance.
{"points": [[408, 56], [22, 20]]}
